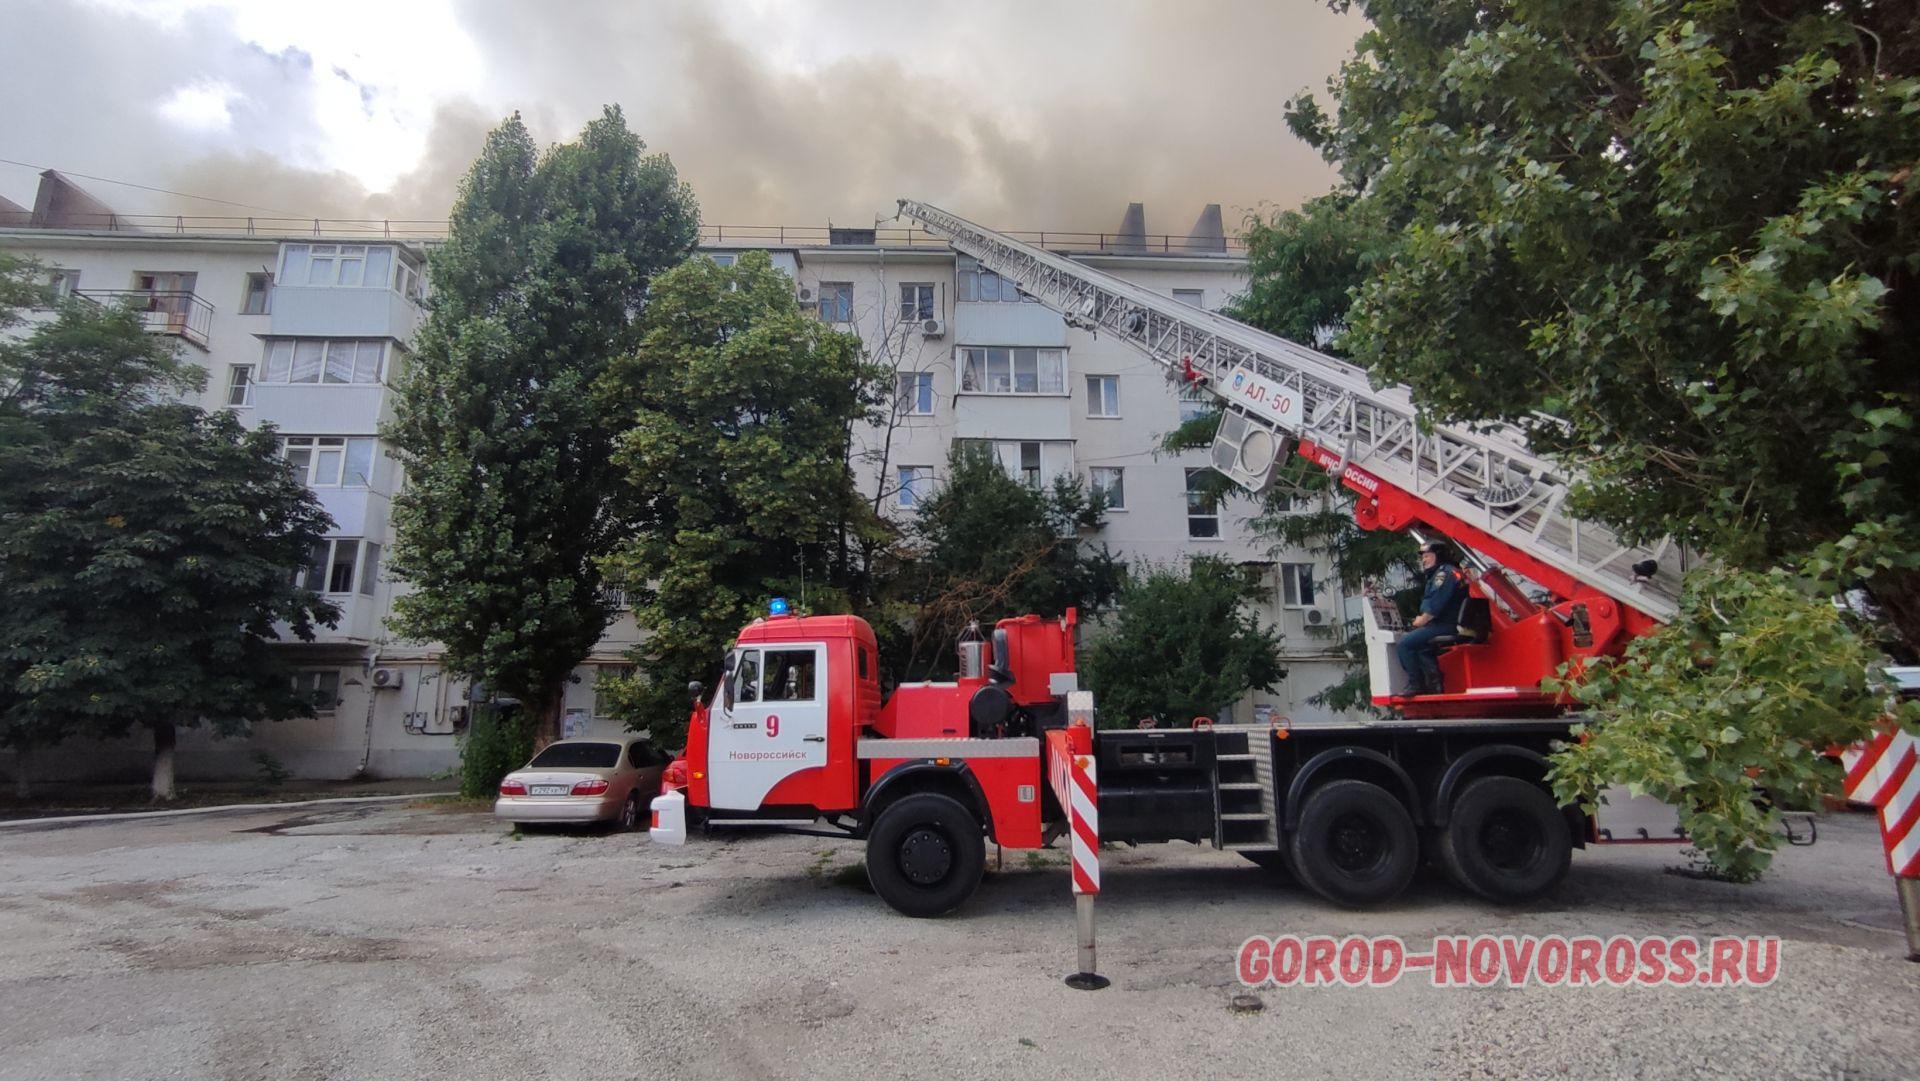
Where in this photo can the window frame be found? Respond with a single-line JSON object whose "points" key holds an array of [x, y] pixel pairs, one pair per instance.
{"points": [[1001, 365], [839, 290], [1197, 515], [63, 281], [922, 387], [245, 385], [917, 301], [345, 445], [265, 280], [1199, 295], [909, 477], [323, 361], [308, 681], [1298, 580], [1119, 474], [338, 257], [1103, 403]]}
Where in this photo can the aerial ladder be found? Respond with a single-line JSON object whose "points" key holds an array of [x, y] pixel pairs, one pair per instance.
{"points": [[1480, 487]]}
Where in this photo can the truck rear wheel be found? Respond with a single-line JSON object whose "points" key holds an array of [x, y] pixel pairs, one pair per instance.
{"points": [[1505, 840], [925, 854], [1355, 844]]}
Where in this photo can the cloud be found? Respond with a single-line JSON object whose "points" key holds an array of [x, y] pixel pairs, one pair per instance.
{"points": [[1019, 115]]}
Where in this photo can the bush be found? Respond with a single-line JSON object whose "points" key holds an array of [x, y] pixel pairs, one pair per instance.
{"points": [[499, 741]]}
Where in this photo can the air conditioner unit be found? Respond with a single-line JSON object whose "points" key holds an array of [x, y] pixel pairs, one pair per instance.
{"points": [[1317, 617], [1247, 452], [386, 679], [933, 328], [804, 295]]}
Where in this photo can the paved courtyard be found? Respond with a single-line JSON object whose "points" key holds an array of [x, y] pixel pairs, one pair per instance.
{"points": [[386, 941]]}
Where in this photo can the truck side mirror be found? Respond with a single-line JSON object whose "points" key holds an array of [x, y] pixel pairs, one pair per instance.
{"points": [[726, 688], [696, 690]]}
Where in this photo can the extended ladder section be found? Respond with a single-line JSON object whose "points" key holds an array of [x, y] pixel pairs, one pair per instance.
{"points": [[1270, 386]]}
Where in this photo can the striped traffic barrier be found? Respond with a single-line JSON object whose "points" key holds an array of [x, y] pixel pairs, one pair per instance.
{"points": [[1884, 773], [1075, 780]]}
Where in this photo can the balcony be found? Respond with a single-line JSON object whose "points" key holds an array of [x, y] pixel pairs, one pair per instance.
{"points": [[183, 315]]}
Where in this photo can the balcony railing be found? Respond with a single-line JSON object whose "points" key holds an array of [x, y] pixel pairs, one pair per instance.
{"points": [[746, 236], [183, 315]]}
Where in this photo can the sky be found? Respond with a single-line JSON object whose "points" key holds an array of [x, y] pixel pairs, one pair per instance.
{"points": [[1022, 114]]}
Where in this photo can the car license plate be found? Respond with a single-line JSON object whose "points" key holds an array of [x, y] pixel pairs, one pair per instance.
{"points": [[549, 789]]}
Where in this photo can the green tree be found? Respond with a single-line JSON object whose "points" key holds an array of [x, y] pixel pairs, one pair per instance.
{"points": [[509, 455], [1723, 712], [1184, 645], [1684, 228], [147, 548], [734, 413], [985, 547]]}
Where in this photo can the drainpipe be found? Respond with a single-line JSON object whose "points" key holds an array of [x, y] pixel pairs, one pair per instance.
{"points": [[366, 753]]}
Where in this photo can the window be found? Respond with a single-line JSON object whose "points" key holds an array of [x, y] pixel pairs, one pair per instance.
{"points": [[725, 258], [330, 461], [346, 265], [408, 282], [1103, 395], [577, 756], [1030, 464], [916, 483], [1196, 401], [259, 288], [1296, 584], [788, 676], [746, 675], [321, 686], [323, 360], [63, 283], [1203, 510], [916, 301], [1013, 371], [1190, 296], [916, 393], [836, 302], [239, 385], [984, 286], [369, 568], [1111, 481]]}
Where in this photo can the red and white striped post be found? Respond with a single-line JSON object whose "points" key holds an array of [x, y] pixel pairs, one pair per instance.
{"points": [[1076, 785], [1884, 773]]}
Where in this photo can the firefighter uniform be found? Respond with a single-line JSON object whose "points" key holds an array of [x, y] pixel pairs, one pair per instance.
{"points": [[1419, 659]]}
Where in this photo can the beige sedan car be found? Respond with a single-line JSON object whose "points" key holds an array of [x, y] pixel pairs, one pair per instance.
{"points": [[584, 780]]}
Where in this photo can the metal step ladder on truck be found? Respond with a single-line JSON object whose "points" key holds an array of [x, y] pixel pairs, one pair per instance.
{"points": [[798, 733]]}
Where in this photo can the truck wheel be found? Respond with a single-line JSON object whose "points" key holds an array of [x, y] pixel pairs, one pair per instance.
{"points": [[1505, 840], [1355, 845], [925, 854]]}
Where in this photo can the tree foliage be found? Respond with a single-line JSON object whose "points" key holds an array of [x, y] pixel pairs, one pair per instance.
{"points": [[1723, 713], [509, 454], [1184, 645], [985, 547], [734, 413], [147, 547], [1685, 228]]}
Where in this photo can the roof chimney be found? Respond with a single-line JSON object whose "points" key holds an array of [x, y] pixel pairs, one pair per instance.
{"points": [[1208, 234], [1133, 229], [62, 204]]}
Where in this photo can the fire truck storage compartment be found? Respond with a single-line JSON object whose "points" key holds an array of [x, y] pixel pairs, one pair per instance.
{"points": [[1156, 785]]}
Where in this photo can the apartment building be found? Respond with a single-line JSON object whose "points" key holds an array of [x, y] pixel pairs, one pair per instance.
{"points": [[306, 325]]}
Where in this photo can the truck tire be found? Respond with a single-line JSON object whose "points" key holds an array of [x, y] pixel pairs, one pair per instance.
{"points": [[1505, 840], [925, 854], [1355, 845]]}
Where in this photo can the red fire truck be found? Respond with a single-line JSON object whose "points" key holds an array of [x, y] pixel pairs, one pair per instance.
{"points": [[799, 736]]}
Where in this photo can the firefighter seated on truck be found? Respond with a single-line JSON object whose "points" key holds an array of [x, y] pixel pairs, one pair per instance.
{"points": [[1439, 607]]}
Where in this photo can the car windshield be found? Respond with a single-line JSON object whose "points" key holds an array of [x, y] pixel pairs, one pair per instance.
{"points": [[578, 756]]}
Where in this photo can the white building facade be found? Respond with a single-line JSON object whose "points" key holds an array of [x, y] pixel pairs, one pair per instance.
{"points": [[309, 332]]}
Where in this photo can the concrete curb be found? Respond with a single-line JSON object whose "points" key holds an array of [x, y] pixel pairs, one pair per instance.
{"points": [[75, 820]]}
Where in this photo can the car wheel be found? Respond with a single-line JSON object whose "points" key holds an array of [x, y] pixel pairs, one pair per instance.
{"points": [[1505, 840], [925, 855], [1355, 844], [630, 813]]}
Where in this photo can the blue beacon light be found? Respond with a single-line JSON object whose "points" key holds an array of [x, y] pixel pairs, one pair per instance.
{"points": [[778, 606]]}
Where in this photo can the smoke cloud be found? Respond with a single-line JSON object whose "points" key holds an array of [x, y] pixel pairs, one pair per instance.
{"points": [[1023, 116]]}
